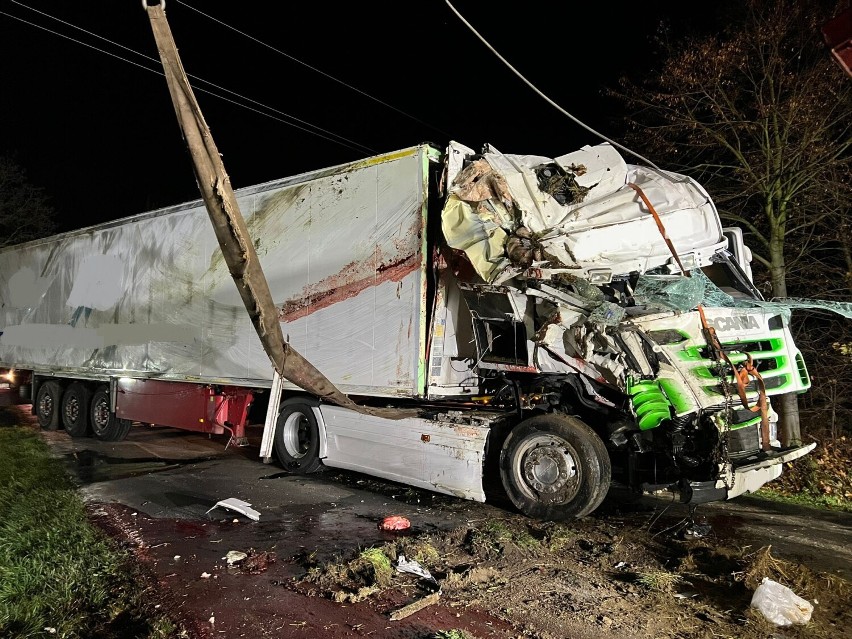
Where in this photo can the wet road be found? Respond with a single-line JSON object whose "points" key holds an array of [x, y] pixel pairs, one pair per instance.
{"points": [[155, 489]]}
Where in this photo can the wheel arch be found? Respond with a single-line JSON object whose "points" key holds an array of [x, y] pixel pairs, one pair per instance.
{"points": [[315, 405]]}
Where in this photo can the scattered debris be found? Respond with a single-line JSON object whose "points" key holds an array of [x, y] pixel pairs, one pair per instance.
{"points": [[242, 507], [697, 529], [205, 575], [416, 606], [659, 580], [405, 565], [394, 523], [341, 596], [235, 557], [780, 605], [256, 563]]}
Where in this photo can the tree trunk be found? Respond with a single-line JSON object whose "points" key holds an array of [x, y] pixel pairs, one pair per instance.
{"points": [[787, 406], [790, 431]]}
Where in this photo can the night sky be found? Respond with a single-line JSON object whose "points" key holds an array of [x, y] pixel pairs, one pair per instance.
{"points": [[99, 133]]}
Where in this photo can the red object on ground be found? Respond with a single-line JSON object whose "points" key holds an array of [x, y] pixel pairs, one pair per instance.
{"points": [[394, 522]]}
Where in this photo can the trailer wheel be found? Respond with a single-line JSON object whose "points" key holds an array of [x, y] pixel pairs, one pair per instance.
{"points": [[75, 410], [555, 467], [105, 425], [297, 439], [48, 401]]}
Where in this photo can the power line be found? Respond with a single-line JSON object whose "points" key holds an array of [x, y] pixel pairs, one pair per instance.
{"points": [[316, 70], [549, 101], [331, 136]]}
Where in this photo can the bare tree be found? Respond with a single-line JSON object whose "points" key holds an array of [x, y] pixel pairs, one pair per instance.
{"points": [[25, 211], [760, 114]]}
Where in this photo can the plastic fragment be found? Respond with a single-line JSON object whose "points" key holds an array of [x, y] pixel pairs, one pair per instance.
{"points": [[780, 605], [240, 506], [412, 566]]}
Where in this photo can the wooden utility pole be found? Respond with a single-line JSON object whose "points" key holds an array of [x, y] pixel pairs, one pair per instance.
{"points": [[229, 225]]}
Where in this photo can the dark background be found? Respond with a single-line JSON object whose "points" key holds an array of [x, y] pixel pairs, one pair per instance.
{"points": [[99, 134]]}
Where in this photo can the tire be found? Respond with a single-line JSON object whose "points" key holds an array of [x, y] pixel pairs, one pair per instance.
{"points": [[105, 425], [554, 467], [297, 439], [48, 404], [25, 392], [75, 410]]}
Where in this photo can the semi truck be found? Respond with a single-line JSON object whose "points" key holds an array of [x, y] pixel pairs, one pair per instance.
{"points": [[557, 325]]}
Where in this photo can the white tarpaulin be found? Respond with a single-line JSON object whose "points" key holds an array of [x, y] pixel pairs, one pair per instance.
{"points": [[342, 250]]}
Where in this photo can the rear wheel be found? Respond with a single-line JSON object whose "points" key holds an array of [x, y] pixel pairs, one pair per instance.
{"points": [[105, 425], [555, 467], [297, 439], [48, 401], [75, 410]]}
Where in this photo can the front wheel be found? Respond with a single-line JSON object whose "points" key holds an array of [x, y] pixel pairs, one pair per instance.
{"points": [[555, 467], [105, 425], [297, 439]]}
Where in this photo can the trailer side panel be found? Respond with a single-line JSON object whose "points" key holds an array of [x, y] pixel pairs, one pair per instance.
{"points": [[150, 296]]}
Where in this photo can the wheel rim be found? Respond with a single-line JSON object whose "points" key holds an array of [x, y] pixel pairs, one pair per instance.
{"points": [[547, 469], [72, 409], [100, 416], [45, 406], [297, 435]]}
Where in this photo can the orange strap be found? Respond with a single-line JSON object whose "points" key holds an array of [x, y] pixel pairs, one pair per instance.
{"points": [[660, 226]]}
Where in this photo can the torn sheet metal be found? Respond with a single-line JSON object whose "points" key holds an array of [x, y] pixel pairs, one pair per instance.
{"points": [[237, 505], [575, 213]]}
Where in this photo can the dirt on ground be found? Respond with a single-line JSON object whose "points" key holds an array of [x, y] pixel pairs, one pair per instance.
{"points": [[629, 570], [619, 573]]}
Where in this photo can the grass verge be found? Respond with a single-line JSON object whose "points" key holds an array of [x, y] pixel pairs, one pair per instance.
{"points": [[822, 502], [59, 576]]}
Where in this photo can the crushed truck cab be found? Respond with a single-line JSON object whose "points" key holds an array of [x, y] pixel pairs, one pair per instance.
{"points": [[557, 324]]}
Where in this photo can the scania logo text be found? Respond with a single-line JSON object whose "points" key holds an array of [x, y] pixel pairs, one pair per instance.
{"points": [[738, 322]]}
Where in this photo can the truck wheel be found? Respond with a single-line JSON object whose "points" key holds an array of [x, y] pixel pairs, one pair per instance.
{"points": [[48, 400], [105, 425], [75, 410], [555, 467], [297, 439]]}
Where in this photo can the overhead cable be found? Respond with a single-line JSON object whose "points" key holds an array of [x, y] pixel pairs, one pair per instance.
{"points": [[549, 101], [314, 129], [316, 70]]}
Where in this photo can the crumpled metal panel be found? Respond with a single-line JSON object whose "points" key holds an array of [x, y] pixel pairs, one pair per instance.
{"points": [[442, 454], [574, 212], [152, 296]]}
